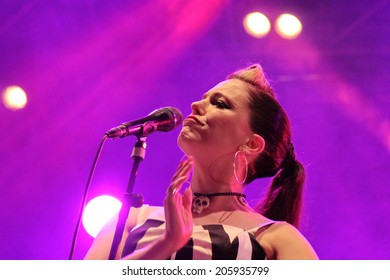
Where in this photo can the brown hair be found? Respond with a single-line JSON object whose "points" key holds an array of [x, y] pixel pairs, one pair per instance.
{"points": [[268, 119]]}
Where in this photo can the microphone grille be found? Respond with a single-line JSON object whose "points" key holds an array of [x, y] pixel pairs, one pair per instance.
{"points": [[166, 118], [176, 115]]}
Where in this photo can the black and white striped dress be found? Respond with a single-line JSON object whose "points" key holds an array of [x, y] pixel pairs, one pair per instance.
{"points": [[208, 242]]}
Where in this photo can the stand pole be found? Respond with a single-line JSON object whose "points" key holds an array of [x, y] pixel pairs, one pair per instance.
{"points": [[129, 199]]}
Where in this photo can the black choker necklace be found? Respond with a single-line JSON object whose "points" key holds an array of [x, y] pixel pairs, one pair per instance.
{"points": [[202, 201]]}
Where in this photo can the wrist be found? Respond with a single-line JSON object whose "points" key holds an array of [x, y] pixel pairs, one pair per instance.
{"points": [[168, 244]]}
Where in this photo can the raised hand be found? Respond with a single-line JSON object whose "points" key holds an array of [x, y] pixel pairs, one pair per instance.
{"points": [[177, 207]]}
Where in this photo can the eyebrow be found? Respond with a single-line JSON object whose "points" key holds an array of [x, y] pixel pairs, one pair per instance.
{"points": [[217, 93], [205, 95]]}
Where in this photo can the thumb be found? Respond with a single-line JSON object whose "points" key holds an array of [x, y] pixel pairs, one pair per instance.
{"points": [[187, 199]]}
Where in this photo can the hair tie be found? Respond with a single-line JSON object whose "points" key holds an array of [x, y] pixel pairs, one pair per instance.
{"points": [[290, 158]]}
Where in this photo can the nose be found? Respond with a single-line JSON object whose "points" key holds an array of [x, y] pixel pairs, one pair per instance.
{"points": [[198, 107]]}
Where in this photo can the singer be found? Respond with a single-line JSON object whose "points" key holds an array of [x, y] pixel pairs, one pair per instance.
{"points": [[236, 133]]}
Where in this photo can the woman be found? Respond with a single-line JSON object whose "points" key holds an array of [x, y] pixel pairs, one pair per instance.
{"points": [[237, 133]]}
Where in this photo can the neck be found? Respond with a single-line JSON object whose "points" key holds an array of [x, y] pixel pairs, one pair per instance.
{"points": [[221, 201], [214, 178], [217, 177]]}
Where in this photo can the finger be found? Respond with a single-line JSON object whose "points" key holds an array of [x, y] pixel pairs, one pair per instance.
{"points": [[171, 190], [177, 180], [173, 212], [175, 187], [184, 164], [183, 168]]}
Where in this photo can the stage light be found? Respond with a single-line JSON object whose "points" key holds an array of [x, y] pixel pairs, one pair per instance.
{"points": [[98, 212], [288, 26], [14, 98], [256, 24]]}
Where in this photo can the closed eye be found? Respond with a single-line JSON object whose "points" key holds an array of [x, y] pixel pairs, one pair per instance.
{"points": [[221, 104], [218, 100]]}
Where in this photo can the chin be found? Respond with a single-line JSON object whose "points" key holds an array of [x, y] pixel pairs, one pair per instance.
{"points": [[186, 142], [182, 140]]}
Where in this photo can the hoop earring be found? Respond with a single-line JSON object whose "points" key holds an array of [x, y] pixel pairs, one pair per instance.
{"points": [[234, 168]]}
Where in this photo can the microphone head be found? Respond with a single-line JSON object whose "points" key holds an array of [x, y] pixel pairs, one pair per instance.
{"points": [[166, 118]]}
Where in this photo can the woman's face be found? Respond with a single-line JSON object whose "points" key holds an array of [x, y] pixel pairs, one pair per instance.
{"points": [[219, 123]]}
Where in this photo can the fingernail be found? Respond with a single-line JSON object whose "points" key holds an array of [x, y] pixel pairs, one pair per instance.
{"points": [[171, 190]]}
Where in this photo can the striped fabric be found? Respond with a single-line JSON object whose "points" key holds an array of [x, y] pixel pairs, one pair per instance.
{"points": [[208, 242]]}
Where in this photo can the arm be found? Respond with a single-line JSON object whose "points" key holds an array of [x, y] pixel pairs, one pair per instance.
{"points": [[282, 241]]}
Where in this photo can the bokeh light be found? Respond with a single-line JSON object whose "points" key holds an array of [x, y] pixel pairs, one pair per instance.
{"points": [[14, 98], [98, 212], [256, 24], [288, 26]]}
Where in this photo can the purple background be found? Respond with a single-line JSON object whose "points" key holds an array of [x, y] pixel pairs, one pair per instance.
{"points": [[90, 65]]}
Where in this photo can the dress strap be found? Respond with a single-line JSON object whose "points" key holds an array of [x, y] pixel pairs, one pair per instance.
{"points": [[270, 222]]}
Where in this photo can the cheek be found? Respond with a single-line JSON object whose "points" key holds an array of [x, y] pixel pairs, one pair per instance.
{"points": [[230, 124], [232, 131]]}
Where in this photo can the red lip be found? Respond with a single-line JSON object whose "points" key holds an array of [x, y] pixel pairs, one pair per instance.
{"points": [[193, 118]]}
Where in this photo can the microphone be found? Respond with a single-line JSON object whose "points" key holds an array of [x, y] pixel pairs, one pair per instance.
{"points": [[163, 119]]}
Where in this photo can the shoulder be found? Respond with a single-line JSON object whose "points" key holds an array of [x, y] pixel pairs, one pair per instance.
{"points": [[281, 240]]}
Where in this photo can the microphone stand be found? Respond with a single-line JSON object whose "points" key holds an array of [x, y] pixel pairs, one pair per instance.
{"points": [[129, 199]]}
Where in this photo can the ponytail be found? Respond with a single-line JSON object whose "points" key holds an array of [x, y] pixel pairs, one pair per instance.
{"points": [[283, 199], [269, 120]]}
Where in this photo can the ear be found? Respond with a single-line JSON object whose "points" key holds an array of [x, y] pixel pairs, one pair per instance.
{"points": [[254, 145]]}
